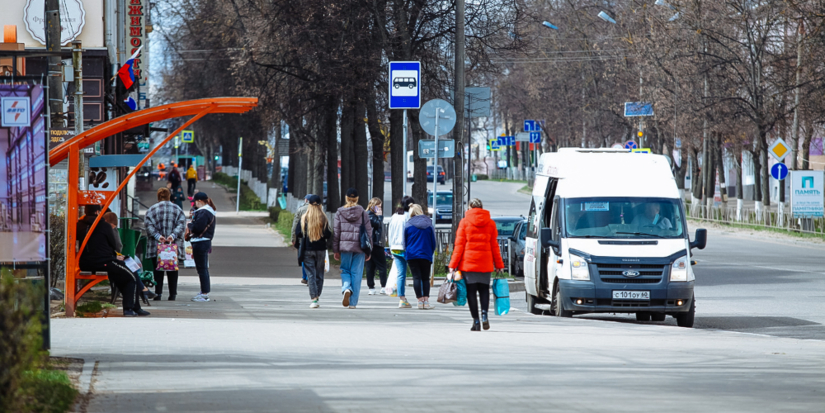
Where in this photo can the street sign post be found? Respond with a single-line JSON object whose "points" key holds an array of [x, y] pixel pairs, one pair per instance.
{"points": [[637, 109], [405, 93], [437, 117], [630, 145], [535, 137], [188, 136], [531, 126], [779, 149], [494, 146]]}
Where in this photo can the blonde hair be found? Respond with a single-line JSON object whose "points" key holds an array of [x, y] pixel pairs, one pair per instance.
{"points": [[373, 203], [314, 220], [476, 203], [416, 209], [351, 201]]}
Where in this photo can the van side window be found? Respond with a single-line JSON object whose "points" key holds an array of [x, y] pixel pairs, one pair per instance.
{"points": [[532, 230], [549, 207]]}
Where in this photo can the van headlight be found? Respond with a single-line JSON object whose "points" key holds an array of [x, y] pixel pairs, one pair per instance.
{"points": [[579, 270], [678, 270]]}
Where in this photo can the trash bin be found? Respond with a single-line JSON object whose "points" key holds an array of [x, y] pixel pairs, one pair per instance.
{"points": [[474, 178]]}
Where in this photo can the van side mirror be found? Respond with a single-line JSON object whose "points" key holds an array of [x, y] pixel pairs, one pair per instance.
{"points": [[547, 240], [700, 240]]}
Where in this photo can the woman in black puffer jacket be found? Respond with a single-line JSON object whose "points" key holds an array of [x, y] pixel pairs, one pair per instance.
{"points": [[378, 261]]}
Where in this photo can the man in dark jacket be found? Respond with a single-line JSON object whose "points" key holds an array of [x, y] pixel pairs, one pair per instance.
{"points": [[100, 255], [378, 261]]}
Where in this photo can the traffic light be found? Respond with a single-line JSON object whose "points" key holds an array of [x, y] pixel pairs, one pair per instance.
{"points": [[488, 146], [216, 157]]}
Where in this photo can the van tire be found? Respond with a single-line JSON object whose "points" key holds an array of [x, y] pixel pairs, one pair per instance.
{"points": [[556, 305], [643, 316], [686, 319], [532, 300]]}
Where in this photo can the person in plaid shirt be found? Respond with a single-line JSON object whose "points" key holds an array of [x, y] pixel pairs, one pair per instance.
{"points": [[165, 223]]}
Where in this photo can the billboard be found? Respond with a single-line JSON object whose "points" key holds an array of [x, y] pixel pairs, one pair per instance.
{"points": [[23, 197], [79, 19], [807, 194]]}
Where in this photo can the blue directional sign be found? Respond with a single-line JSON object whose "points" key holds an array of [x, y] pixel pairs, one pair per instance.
{"points": [[779, 171], [535, 137], [405, 85], [630, 145], [507, 141], [635, 109], [529, 125]]}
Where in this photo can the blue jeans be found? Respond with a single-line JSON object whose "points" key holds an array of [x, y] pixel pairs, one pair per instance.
{"points": [[401, 267], [200, 253], [303, 271], [352, 270]]}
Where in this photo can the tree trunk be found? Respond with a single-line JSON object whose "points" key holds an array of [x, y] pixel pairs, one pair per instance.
{"points": [[720, 166], [319, 157], [360, 154], [275, 176], [347, 164], [763, 170], [377, 140], [757, 177], [739, 185], [695, 175], [806, 145], [397, 154], [331, 133]]}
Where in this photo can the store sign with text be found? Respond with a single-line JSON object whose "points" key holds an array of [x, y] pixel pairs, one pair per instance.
{"points": [[136, 36]]}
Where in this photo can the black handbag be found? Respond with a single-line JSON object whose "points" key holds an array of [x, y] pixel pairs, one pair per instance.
{"points": [[366, 242]]}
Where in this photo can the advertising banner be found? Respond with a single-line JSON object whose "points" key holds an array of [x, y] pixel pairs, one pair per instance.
{"points": [[79, 19], [23, 197], [807, 194]]}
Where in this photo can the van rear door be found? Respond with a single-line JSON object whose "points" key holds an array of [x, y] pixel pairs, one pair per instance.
{"points": [[543, 189]]}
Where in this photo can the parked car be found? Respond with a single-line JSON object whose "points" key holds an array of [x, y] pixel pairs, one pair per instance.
{"points": [[444, 206], [517, 248], [442, 177], [506, 227]]}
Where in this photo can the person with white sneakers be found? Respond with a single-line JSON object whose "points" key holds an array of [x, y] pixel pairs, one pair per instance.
{"points": [[201, 231], [395, 237], [314, 234]]}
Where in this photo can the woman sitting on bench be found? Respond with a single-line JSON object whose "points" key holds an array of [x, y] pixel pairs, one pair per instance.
{"points": [[99, 255]]}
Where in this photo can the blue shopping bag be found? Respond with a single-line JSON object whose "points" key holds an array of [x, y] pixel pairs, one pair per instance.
{"points": [[462, 293], [502, 292]]}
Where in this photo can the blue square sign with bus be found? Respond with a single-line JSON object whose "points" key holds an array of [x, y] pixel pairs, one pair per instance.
{"points": [[187, 136], [405, 85]]}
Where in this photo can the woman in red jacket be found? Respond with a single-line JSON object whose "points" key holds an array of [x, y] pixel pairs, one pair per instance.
{"points": [[476, 254]]}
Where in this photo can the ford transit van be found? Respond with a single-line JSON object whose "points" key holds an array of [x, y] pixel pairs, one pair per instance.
{"points": [[607, 234]]}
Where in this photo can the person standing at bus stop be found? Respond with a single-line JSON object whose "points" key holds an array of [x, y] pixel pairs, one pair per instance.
{"points": [[476, 254], [378, 261], [395, 237]]}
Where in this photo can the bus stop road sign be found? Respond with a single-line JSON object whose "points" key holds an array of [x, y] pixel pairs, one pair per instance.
{"points": [[405, 85], [779, 171]]}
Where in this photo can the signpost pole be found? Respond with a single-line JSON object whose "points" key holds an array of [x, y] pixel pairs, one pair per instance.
{"points": [[240, 164], [404, 177]]}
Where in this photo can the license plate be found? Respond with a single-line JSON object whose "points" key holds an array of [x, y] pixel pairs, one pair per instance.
{"points": [[631, 295]]}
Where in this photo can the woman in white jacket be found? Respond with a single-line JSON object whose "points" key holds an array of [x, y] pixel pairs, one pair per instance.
{"points": [[395, 237]]}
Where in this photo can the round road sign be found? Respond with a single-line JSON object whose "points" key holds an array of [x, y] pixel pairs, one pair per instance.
{"points": [[446, 117], [779, 171], [630, 145]]}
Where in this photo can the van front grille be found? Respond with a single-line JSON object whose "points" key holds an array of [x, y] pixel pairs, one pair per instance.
{"points": [[632, 280]]}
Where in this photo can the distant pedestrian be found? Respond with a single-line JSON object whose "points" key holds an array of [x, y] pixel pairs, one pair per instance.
{"points": [[165, 224], [378, 261], [174, 178], [191, 179], [315, 236], [395, 237], [476, 254], [202, 229], [347, 246], [419, 238], [295, 240]]}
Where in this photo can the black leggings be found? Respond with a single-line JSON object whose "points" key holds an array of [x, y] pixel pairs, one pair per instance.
{"points": [[420, 270], [483, 291]]}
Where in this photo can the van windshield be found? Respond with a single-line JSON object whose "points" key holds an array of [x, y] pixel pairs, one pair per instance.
{"points": [[623, 218]]}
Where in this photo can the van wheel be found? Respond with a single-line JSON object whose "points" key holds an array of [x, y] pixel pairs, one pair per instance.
{"points": [[532, 300], [658, 316], [556, 305], [643, 316], [686, 319]]}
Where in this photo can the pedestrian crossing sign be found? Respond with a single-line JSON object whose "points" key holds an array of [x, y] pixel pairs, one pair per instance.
{"points": [[188, 136]]}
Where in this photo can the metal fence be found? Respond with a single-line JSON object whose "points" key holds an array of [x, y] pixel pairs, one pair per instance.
{"points": [[778, 219]]}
